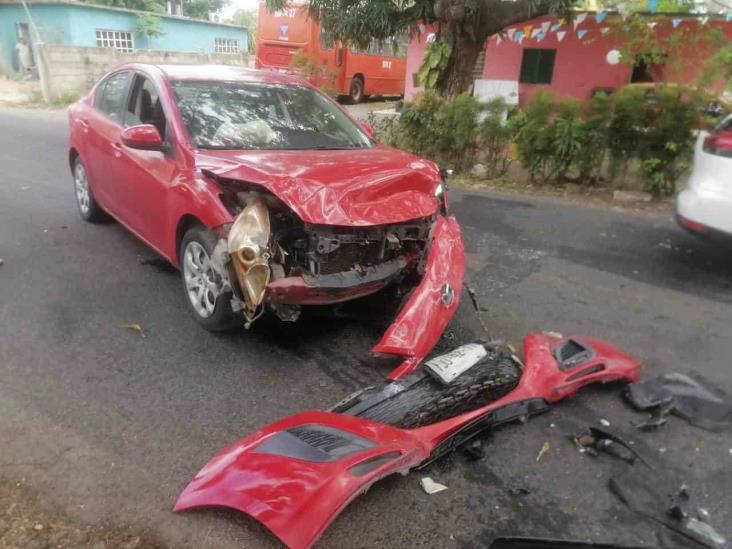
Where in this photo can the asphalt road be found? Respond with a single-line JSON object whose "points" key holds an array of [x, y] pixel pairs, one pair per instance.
{"points": [[109, 426]]}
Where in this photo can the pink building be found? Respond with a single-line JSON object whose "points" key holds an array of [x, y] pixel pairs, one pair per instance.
{"points": [[574, 59]]}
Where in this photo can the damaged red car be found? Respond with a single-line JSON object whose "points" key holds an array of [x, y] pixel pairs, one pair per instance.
{"points": [[268, 196]]}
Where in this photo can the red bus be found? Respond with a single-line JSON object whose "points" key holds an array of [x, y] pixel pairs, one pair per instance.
{"points": [[378, 70]]}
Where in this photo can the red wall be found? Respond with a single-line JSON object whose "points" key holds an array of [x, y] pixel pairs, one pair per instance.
{"points": [[580, 65]]}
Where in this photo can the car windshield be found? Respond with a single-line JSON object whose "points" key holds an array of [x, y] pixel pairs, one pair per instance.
{"points": [[245, 115]]}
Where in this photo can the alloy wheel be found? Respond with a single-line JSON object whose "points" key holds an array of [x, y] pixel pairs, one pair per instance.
{"points": [[201, 281]]}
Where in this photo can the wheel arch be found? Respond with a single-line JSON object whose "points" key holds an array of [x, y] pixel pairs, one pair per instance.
{"points": [[185, 223], [73, 155]]}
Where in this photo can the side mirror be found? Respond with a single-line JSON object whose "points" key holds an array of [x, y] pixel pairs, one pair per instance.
{"points": [[145, 137], [369, 130]]}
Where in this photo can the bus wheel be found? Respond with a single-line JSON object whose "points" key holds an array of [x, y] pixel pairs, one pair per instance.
{"points": [[355, 92]]}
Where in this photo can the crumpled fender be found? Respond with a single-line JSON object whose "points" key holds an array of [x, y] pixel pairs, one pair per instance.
{"points": [[272, 476], [423, 318]]}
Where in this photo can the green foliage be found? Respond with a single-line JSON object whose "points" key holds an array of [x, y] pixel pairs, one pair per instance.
{"points": [[198, 9], [306, 66], [249, 19], [148, 25], [496, 134], [436, 60]]}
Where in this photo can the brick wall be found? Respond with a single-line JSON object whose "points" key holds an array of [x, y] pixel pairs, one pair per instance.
{"points": [[72, 70]]}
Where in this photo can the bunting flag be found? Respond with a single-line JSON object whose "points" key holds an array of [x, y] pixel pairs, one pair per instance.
{"points": [[704, 20], [519, 36], [581, 34], [527, 30], [511, 33], [540, 36], [535, 32], [675, 22], [728, 16], [561, 35], [604, 30], [600, 16], [562, 21], [545, 26], [652, 24], [556, 27], [579, 19], [498, 39], [653, 6]]}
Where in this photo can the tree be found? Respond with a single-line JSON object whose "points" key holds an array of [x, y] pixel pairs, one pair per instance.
{"points": [[198, 9], [464, 25], [247, 19]]}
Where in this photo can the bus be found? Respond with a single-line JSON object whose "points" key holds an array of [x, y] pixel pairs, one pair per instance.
{"points": [[347, 71]]}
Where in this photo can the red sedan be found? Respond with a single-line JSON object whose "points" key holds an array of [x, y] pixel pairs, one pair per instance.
{"points": [[267, 196]]}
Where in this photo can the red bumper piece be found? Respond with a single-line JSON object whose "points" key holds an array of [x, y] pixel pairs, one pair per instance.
{"points": [[424, 317], [296, 475]]}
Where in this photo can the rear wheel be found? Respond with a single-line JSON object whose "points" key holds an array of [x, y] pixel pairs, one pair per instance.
{"points": [[88, 207], [425, 400], [203, 287], [355, 91]]}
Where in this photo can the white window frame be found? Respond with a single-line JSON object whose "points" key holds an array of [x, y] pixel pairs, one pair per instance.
{"points": [[227, 45], [123, 41]]}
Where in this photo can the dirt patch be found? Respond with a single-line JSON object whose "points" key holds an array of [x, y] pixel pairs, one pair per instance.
{"points": [[24, 524]]}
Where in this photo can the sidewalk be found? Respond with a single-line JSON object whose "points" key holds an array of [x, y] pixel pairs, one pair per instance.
{"points": [[19, 92]]}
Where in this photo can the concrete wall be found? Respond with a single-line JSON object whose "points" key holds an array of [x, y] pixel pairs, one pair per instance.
{"points": [[76, 24], [73, 70]]}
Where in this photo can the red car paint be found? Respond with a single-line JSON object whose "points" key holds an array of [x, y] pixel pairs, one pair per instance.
{"points": [[154, 194], [424, 317], [298, 498]]}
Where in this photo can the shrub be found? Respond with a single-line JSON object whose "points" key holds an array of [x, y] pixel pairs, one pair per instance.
{"points": [[496, 133], [457, 125]]}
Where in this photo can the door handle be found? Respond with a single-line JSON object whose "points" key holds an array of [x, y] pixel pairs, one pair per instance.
{"points": [[117, 150]]}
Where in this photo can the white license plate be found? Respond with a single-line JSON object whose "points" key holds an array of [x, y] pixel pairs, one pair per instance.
{"points": [[449, 366]]}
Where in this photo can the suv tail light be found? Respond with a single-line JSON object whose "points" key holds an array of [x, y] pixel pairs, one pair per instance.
{"points": [[719, 143]]}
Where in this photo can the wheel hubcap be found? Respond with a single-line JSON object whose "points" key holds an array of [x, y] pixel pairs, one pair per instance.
{"points": [[200, 278], [82, 188]]}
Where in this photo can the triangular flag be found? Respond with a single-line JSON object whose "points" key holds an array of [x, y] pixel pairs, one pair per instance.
{"points": [[675, 22], [563, 21], [652, 24], [579, 19], [527, 30], [561, 35], [728, 16], [600, 16], [704, 20], [652, 6], [604, 30], [581, 34], [556, 27], [498, 39], [540, 36], [535, 32], [510, 33], [545, 26], [518, 36]]}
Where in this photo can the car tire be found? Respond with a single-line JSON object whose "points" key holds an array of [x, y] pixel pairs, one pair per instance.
{"points": [[201, 284], [426, 401], [355, 90], [89, 209]]}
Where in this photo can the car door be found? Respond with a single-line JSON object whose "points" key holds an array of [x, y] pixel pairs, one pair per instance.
{"points": [[146, 176], [103, 125]]}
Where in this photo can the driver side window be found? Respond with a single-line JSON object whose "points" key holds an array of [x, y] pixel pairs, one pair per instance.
{"points": [[144, 106]]}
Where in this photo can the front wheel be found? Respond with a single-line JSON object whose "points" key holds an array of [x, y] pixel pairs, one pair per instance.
{"points": [[203, 287], [355, 91]]}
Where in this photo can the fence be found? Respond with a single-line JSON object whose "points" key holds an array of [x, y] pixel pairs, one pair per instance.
{"points": [[72, 70]]}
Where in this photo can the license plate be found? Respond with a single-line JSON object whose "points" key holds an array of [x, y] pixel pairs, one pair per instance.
{"points": [[449, 366]]}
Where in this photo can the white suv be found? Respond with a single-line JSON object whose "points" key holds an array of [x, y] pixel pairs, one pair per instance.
{"points": [[705, 206]]}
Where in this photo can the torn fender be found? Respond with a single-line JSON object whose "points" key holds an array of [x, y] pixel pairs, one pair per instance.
{"points": [[295, 476], [424, 317]]}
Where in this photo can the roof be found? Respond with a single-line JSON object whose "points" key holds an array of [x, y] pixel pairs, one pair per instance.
{"points": [[228, 73], [78, 4]]}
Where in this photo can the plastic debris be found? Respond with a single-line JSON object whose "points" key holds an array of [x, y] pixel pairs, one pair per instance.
{"points": [[604, 422], [543, 450], [431, 487], [689, 396]]}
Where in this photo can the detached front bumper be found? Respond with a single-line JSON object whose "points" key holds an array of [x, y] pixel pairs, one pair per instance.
{"points": [[424, 317]]}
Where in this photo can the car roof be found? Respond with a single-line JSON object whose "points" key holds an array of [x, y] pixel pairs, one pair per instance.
{"points": [[223, 73]]}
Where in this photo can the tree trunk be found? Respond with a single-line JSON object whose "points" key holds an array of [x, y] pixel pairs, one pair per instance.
{"points": [[466, 26]]}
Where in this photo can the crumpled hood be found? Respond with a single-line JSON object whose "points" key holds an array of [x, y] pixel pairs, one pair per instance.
{"points": [[361, 187]]}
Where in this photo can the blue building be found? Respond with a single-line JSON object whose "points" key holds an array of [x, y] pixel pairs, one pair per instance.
{"points": [[74, 23]]}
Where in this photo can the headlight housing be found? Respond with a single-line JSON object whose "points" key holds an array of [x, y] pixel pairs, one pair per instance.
{"points": [[248, 245]]}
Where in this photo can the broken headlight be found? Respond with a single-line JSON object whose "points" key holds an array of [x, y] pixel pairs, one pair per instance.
{"points": [[248, 245]]}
